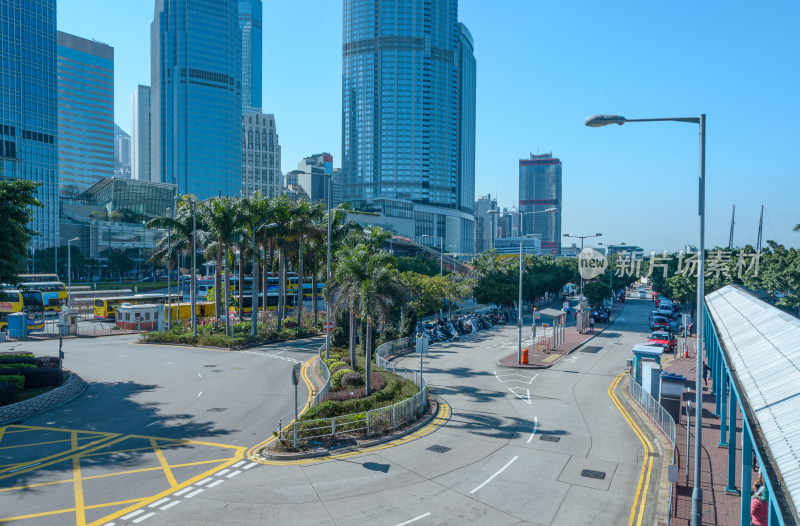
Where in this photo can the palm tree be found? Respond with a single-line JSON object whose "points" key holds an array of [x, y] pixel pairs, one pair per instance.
{"points": [[256, 215], [300, 227], [222, 214], [796, 228], [281, 215], [343, 289]]}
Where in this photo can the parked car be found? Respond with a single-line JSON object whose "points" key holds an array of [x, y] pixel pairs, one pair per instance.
{"points": [[667, 339], [642, 293], [659, 323]]}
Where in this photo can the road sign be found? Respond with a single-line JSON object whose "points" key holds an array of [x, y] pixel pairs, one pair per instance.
{"points": [[328, 326], [295, 374]]}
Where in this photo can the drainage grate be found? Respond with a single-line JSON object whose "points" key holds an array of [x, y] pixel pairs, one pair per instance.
{"points": [[549, 438], [591, 349], [591, 474], [439, 449], [209, 365], [216, 409]]}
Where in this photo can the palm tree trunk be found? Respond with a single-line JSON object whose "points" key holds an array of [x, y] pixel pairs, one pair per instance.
{"points": [[241, 282], [281, 286], [256, 279], [227, 294], [368, 356], [300, 295], [352, 337], [218, 283], [266, 271]]}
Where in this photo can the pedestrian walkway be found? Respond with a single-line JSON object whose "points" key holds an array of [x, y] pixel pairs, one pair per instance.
{"points": [[719, 507], [539, 358]]}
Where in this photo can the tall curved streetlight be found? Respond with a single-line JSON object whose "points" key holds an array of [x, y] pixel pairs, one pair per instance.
{"points": [[519, 302], [69, 271], [595, 121]]}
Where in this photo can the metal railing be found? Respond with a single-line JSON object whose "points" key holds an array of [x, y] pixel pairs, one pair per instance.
{"points": [[370, 422], [325, 374], [659, 415]]}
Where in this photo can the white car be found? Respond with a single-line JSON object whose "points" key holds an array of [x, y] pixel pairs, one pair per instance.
{"points": [[642, 293]]}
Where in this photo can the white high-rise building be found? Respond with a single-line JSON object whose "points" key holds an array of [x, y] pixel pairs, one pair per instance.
{"points": [[140, 134], [261, 155]]}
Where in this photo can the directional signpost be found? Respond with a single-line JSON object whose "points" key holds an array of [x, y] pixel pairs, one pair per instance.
{"points": [[328, 326]]}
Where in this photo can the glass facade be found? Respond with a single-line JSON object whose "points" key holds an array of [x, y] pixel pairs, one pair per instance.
{"points": [[28, 102], [85, 113], [196, 96], [540, 189], [140, 133], [401, 106], [250, 22], [261, 155], [466, 121], [316, 186]]}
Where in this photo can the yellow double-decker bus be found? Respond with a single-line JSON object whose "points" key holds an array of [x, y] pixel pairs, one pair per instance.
{"points": [[28, 301], [183, 311], [272, 302], [105, 308], [54, 293], [10, 302]]}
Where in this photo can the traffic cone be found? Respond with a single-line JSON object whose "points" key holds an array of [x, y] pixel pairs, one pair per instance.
{"points": [[686, 351]]}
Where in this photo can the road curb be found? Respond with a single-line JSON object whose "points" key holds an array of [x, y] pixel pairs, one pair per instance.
{"points": [[66, 392], [361, 444]]}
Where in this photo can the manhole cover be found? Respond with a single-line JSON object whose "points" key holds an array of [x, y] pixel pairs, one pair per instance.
{"points": [[592, 474], [216, 409], [439, 449], [591, 349], [209, 365], [549, 438]]}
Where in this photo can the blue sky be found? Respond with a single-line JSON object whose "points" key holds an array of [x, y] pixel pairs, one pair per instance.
{"points": [[542, 68]]}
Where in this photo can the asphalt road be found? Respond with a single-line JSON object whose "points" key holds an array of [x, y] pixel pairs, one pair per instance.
{"points": [[152, 418], [512, 446]]}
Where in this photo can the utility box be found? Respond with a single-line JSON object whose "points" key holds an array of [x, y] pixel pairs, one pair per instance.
{"points": [[18, 325], [672, 387], [68, 322], [651, 375]]}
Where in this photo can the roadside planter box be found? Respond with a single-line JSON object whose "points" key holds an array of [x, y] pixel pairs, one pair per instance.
{"points": [[142, 317]]}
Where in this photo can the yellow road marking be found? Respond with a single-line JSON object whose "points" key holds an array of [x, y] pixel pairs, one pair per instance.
{"points": [[239, 455], [80, 512], [36, 443], [551, 358], [644, 473], [164, 464], [2, 432], [69, 510], [64, 455]]}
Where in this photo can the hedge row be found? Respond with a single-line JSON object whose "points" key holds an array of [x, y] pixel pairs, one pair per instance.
{"points": [[14, 379], [8, 392], [36, 377]]}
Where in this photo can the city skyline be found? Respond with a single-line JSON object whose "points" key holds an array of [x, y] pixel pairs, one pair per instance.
{"points": [[653, 69]]}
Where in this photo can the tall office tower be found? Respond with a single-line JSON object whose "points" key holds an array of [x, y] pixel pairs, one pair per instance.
{"points": [[140, 134], [196, 96], [337, 189], [261, 155], [316, 186], [85, 113], [406, 75], [122, 153], [540, 189], [485, 223], [250, 19], [28, 115]]}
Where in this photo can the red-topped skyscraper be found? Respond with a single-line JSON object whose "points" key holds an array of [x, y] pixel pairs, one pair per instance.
{"points": [[540, 189]]}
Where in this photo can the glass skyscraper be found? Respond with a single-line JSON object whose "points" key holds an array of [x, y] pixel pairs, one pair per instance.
{"points": [[540, 189], [196, 96], [250, 20], [85, 113], [408, 100], [28, 102]]}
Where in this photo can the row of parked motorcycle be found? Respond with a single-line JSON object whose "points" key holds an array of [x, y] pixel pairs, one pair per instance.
{"points": [[451, 329]]}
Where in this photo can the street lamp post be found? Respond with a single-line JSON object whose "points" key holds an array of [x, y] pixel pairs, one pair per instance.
{"points": [[69, 270], [193, 292], [596, 121], [582, 238], [611, 267]]}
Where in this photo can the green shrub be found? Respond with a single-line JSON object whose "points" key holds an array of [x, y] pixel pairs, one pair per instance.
{"points": [[46, 361], [8, 392], [15, 355], [338, 364], [16, 365], [42, 377], [15, 379], [352, 380], [336, 378]]}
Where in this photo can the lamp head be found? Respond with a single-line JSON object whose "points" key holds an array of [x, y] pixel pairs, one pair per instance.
{"points": [[551, 210], [596, 121]]}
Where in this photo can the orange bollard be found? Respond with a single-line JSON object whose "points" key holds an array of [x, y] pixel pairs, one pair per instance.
{"points": [[525, 356]]}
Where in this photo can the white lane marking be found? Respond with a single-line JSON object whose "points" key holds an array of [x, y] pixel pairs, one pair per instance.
{"points": [[171, 504], [25, 467], [233, 474], [526, 398], [143, 517], [195, 492], [184, 490], [170, 363], [250, 465], [158, 503], [199, 394], [220, 473], [200, 375], [415, 519], [216, 483], [208, 479], [131, 515], [519, 377], [535, 425], [238, 464], [109, 524], [152, 423], [493, 476]]}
